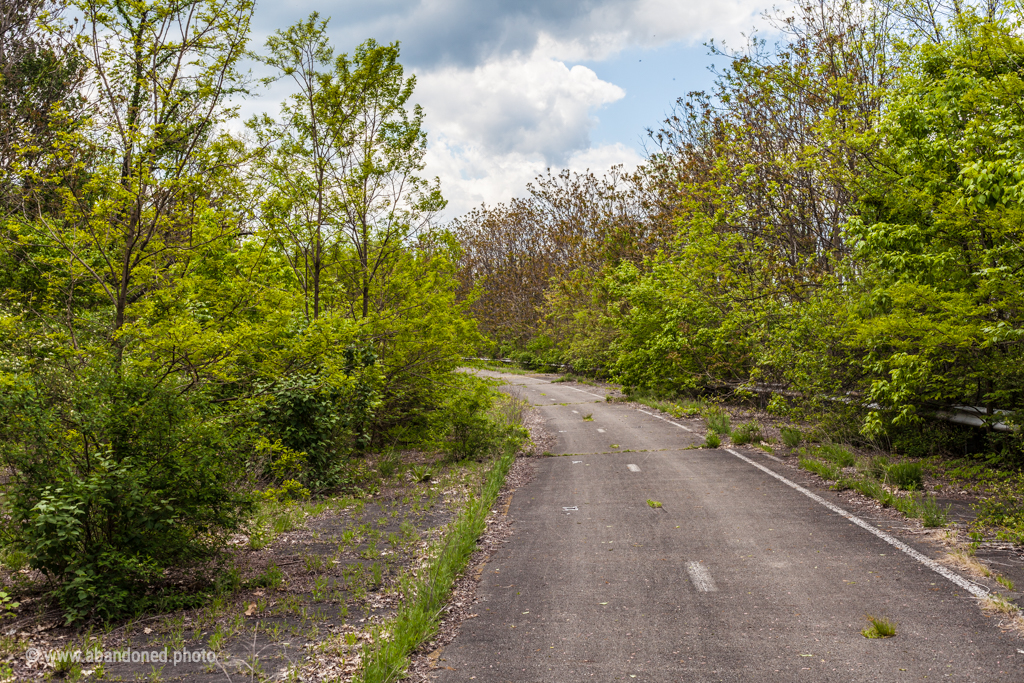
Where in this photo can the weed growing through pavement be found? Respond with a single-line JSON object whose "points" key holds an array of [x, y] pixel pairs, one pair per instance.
{"points": [[880, 628], [589, 417], [654, 503], [1005, 582], [712, 440]]}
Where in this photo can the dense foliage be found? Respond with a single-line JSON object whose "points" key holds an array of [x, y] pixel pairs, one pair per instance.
{"points": [[187, 313], [836, 225]]}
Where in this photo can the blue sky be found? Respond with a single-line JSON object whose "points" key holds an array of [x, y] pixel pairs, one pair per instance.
{"points": [[511, 87]]}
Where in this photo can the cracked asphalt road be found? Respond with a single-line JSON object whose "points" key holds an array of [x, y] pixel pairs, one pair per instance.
{"points": [[737, 577]]}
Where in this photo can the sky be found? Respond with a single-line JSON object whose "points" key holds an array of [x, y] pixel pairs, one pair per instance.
{"points": [[513, 87]]}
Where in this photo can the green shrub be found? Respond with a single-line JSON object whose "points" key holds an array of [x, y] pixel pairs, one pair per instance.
{"points": [[712, 440], [1003, 509], [905, 475], [791, 436], [749, 432], [115, 482], [478, 420]]}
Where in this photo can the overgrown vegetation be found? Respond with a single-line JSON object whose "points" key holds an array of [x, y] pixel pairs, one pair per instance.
{"points": [[834, 229], [201, 329]]}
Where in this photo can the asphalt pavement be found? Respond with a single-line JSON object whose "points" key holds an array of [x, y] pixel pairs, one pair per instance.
{"points": [[737, 576]]}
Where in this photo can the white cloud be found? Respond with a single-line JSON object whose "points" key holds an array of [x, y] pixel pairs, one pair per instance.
{"points": [[493, 127], [532, 105]]}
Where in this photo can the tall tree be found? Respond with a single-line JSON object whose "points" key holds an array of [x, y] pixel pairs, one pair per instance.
{"points": [[161, 73], [345, 166]]}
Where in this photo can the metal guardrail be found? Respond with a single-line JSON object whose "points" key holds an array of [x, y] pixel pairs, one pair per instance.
{"points": [[971, 416]]}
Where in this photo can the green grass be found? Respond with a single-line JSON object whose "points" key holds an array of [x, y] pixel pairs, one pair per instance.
{"points": [[749, 432], [424, 596], [836, 455], [712, 440], [791, 436], [718, 420], [879, 628], [905, 475], [823, 470], [682, 408], [931, 514], [1005, 583]]}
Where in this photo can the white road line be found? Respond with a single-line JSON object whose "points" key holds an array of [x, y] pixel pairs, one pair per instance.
{"points": [[701, 577], [972, 588], [669, 421], [585, 392], [632, 468], [601, 431]]}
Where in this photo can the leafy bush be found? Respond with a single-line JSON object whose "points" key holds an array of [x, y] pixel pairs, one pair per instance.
{"points": [[791, 436], [1003, 509], [905, 475], [110, 489], [304, 416], [749, 432], [477, 420]]}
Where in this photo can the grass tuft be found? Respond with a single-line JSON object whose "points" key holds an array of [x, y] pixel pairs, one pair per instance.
{"points": [[712, 440], [791, 436], [821, 469], [654, 503], [749, 432], [718, 421], [905, 475], [879, 628], [836, 455]]}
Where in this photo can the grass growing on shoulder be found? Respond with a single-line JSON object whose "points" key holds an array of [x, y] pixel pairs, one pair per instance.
{"points": [[387, 658], [879, 628], [791, 436], [712, 440], [749, 432], [682, 408], [837, 455], [823, 470], [718, 420]]}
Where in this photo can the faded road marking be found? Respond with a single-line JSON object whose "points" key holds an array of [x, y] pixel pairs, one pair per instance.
{"points": [[701, 577], [601, 431], [669, 421], [632, 468], [972, 588]]}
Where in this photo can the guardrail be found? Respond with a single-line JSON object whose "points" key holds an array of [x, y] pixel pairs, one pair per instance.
{"points": [[971, 416]]}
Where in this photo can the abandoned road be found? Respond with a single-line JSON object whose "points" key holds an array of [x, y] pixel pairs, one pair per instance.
{"points": [[738, 576]]}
